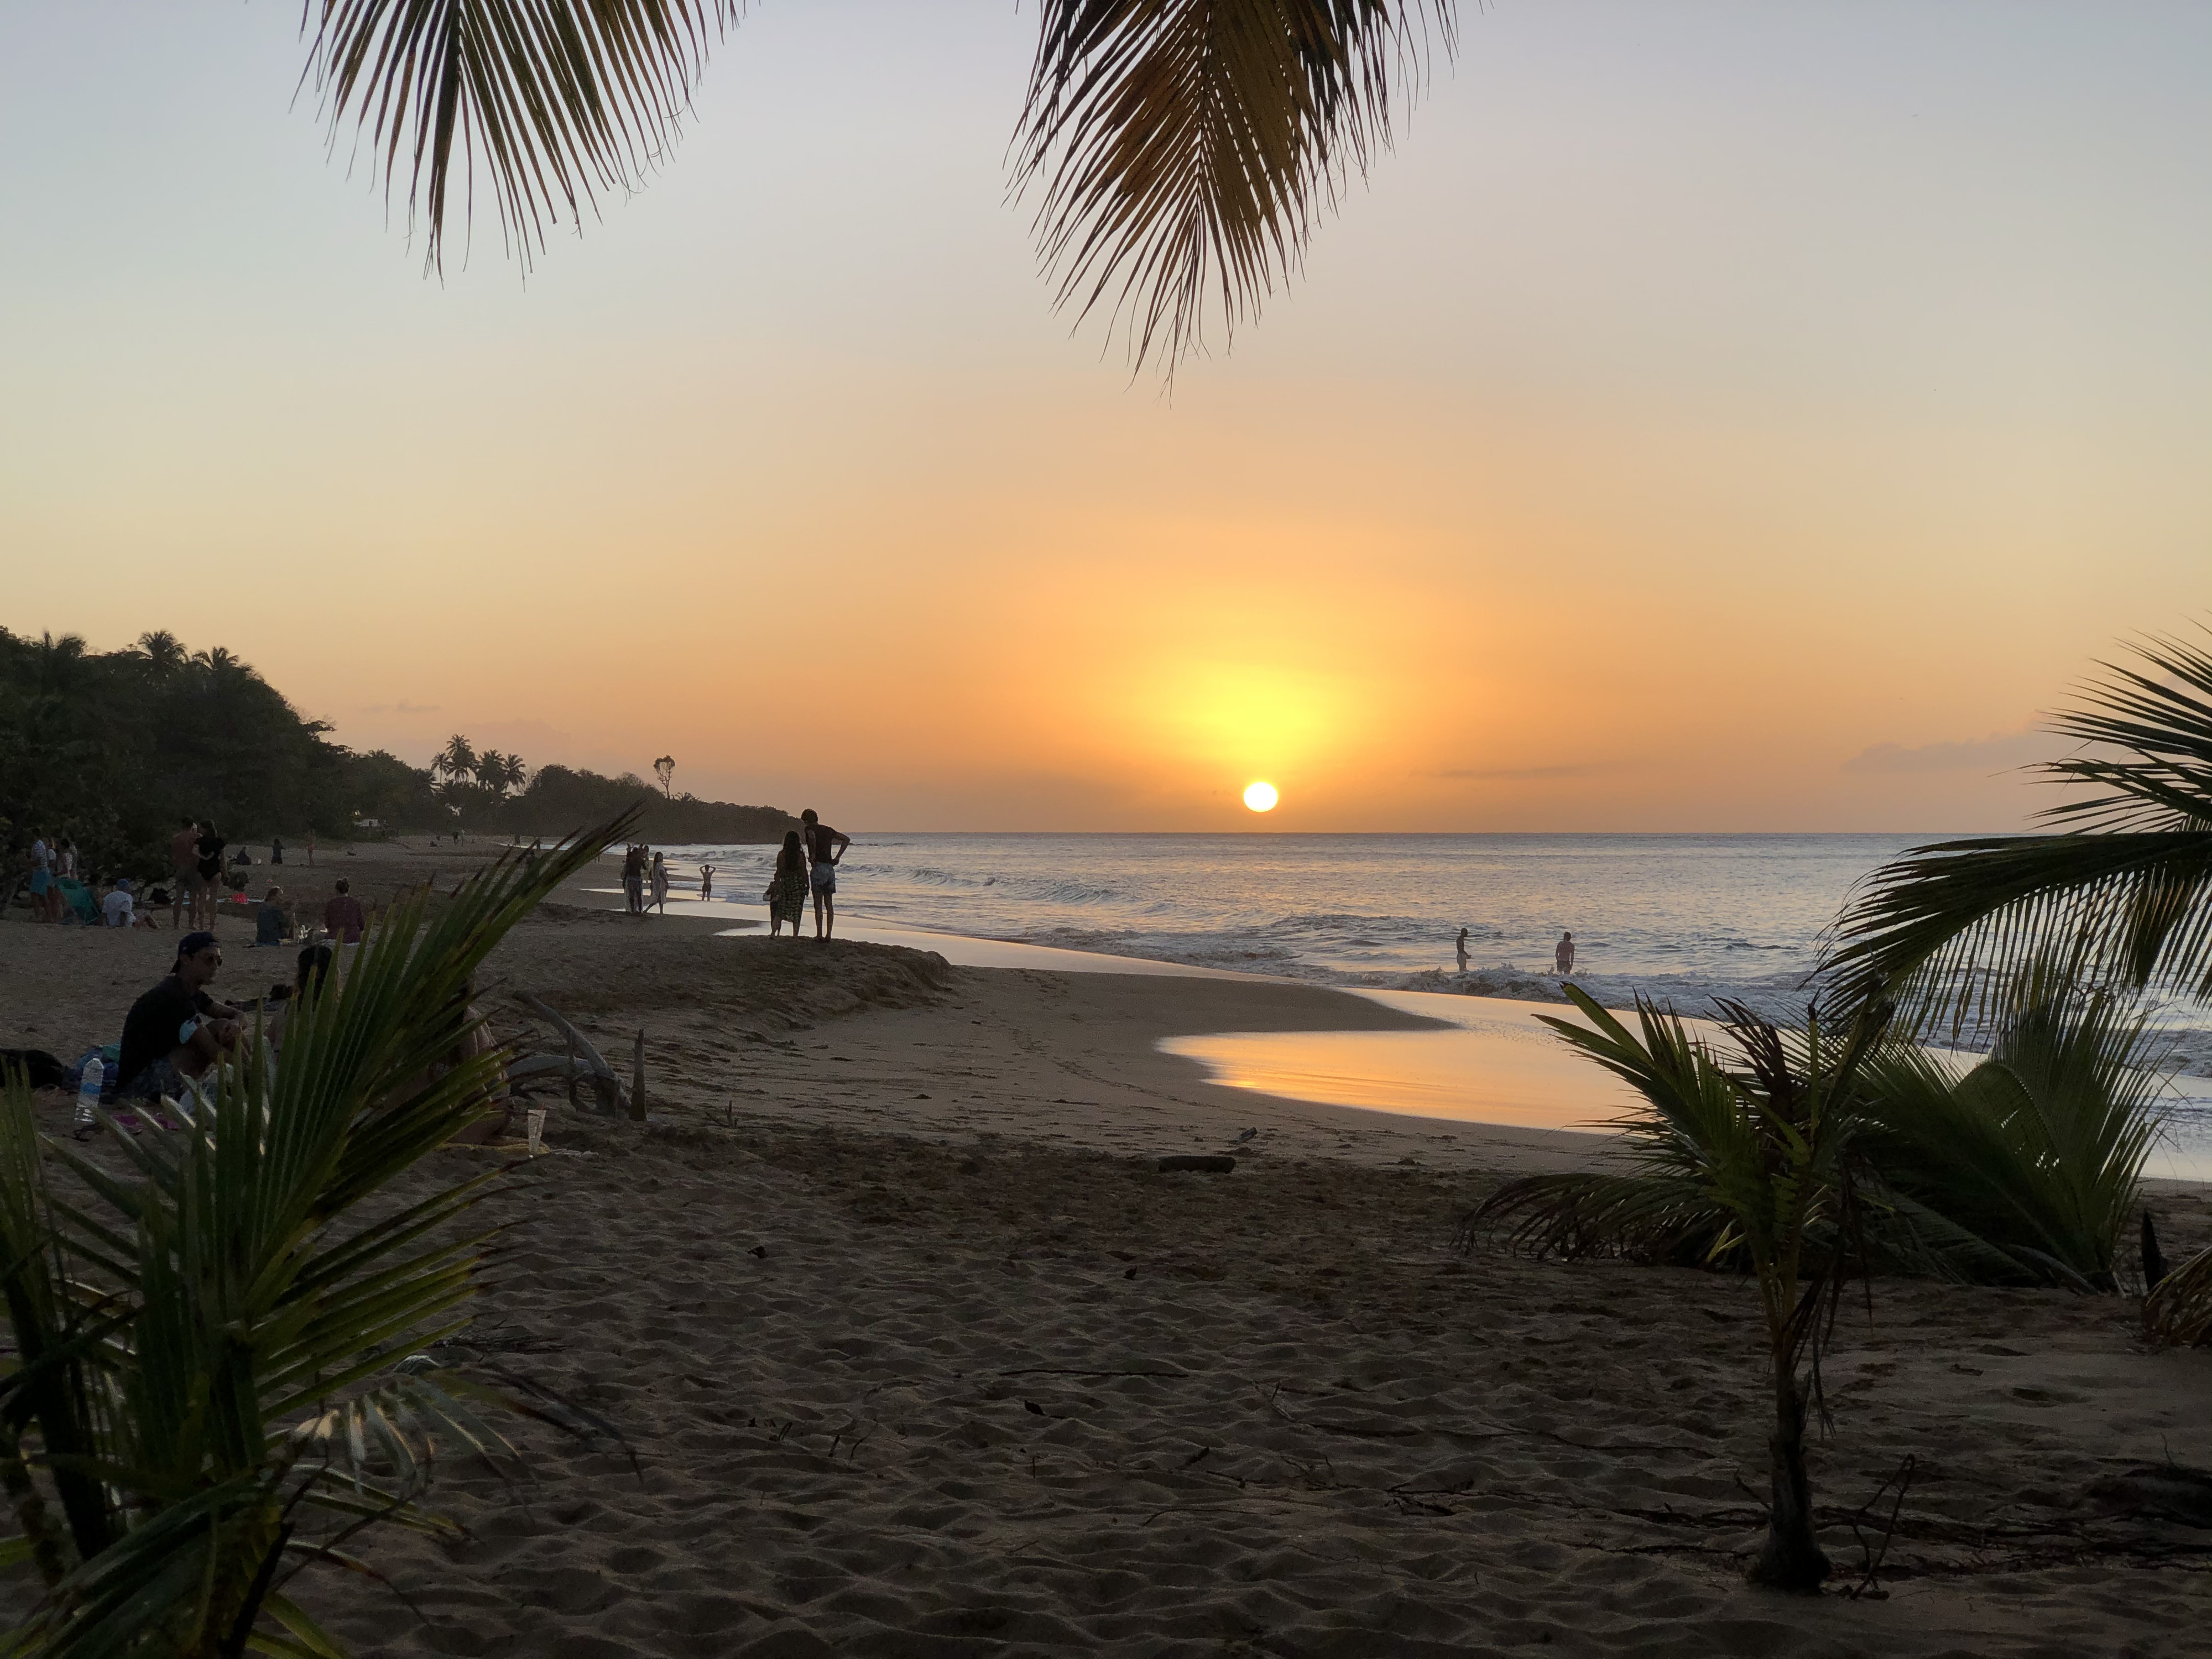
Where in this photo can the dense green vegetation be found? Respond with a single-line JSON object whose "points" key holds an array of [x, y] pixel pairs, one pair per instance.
{"points": [[113, 749]]}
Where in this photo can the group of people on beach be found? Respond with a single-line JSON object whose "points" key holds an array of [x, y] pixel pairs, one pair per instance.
{"points": [[1563, 953], [806, 868], [645, 879], [61, 893]]}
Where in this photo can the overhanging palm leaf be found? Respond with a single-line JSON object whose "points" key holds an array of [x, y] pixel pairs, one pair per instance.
{"points": [[1189, 144], [2122, 901], [558, 99], [221, 1339]]}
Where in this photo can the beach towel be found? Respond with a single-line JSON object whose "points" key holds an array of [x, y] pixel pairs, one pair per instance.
{"points": [[77, 901]]}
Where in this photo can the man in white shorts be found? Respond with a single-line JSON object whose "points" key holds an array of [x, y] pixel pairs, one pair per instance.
{"points": [[824, 847]]}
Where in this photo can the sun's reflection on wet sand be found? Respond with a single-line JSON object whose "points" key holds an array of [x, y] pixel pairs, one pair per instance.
{"points": [[1496, 1064]]}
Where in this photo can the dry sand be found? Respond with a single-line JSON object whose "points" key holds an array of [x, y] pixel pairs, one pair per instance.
{"points": [[918, 1356]]}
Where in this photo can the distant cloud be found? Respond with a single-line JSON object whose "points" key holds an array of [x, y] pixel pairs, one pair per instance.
{"points": [[1532, 774], [1996, 752], [402, 708]]}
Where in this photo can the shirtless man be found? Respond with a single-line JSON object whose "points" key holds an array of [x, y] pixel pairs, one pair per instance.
{"points": [[824, 847], [184, 870], [1463, 950], [1562, 955]]}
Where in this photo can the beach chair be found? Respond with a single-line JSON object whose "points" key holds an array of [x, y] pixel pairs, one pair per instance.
{"points": [[77, 904]]}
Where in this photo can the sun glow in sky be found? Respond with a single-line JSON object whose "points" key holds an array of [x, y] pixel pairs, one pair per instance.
{"points": [[1261, 797], [1711, 417]]}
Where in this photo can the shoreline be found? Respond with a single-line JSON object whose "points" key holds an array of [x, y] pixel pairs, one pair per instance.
{"points": [[918, 1352]]}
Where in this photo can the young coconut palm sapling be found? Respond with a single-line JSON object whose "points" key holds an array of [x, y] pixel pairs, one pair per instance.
{"points": [[1755, 1165]]}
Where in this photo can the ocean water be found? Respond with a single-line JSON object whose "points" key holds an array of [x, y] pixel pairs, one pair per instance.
{"points": [[1684, 918], [1681, 920]]}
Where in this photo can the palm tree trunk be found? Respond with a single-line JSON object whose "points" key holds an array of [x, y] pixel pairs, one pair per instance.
{"points": [[1791, 1558]]}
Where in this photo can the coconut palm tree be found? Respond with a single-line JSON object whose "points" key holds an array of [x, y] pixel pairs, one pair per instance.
{"points": [[225, 1348], [1754, 1163], [2119, 900], [491, 771], [456, 761], [1182, 149]]}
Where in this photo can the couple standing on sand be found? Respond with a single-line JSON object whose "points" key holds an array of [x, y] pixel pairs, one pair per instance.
{"points": [[807, 862]]}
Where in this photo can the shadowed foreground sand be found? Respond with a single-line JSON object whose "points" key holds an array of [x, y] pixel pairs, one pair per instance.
{"points": [[960, 1375]]}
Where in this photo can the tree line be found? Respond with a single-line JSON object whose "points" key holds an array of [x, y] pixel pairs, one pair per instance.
{"points": [[113, 749]]}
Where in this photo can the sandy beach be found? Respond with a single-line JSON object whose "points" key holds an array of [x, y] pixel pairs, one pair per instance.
{"points": [[918, 1354]]}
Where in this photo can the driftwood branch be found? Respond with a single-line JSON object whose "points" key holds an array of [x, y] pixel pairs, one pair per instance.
{"points": [[582, 1063]]}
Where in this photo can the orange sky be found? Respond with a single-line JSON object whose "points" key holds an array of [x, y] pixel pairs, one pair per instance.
{"points": [[1747, 422]]}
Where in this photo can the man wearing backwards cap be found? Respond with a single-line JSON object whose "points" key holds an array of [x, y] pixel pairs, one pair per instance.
{"points": [[177, 1030]]}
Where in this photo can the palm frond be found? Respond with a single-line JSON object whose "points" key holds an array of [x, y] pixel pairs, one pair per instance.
{"points": [[1187, 146], [2036, 1151], [2120, 901], [252, 1290], [558, 99], [2178, 1311]]}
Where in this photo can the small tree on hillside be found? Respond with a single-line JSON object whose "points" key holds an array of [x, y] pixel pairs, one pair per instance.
{"points": [[664, 768]]}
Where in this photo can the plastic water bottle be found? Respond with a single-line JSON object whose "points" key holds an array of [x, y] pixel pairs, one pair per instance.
{"points": [[88, 1093]]}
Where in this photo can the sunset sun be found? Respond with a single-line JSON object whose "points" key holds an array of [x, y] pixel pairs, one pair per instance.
{"points": [[1261, 797]]}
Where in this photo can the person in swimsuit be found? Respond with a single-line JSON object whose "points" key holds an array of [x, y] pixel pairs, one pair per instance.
{"points": [[706, 881], [824, 848], [1562, 955], [46, 890], [1463, 950], [207, 871], [183, 855]]}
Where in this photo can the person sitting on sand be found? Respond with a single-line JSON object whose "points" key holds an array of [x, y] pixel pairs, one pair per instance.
{"points": [[824, 848], [660, 884], [174, 1032], [787, 887], [342, 917], [308, 980], [706, 881], [1463, 950], [272, 922], [120, 908], [276, 849], [1562, 955]]}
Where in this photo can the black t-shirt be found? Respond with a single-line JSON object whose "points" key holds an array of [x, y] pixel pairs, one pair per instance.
{"points": [[155, 1026], [210, 851]]}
